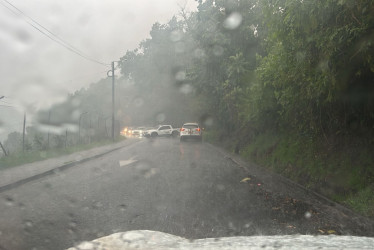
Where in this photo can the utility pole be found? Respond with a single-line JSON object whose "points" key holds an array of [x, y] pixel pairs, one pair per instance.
{"points": [[23, 134], [49, 124], [4, 151], [113, 101], [79, 131], [66, 138], [113, 79]]}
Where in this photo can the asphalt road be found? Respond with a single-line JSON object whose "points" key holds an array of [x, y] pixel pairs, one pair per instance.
{"points": [[187, 189]]}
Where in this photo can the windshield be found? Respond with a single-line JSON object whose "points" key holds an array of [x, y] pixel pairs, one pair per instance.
{"points": [[189, 126], [196, 118]]}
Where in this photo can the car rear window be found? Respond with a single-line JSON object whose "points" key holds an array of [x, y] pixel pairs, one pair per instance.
{"points": [[189, 126]]}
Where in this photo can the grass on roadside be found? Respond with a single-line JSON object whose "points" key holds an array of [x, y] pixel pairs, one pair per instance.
{"points": [[21, 158], [341, 169]]}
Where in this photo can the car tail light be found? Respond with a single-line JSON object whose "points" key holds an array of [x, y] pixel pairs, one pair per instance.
{"points": [[198, 129], [182, 129]]}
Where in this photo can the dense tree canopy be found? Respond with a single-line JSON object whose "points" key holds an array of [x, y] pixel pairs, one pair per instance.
{"points": [[304, 66]]}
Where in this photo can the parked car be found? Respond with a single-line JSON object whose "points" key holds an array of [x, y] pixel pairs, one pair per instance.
{"points": [[162, 130], [191, 131], [138, 131]]}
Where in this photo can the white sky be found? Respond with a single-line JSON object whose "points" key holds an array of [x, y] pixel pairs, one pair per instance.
{"points": [[36, 72]]}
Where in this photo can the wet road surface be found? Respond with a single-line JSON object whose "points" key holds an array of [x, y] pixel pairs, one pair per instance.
{"points": [[187, 189]]}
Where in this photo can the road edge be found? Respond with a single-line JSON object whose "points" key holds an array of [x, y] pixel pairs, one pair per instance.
{"points": [[245, 165], [57, 169]]}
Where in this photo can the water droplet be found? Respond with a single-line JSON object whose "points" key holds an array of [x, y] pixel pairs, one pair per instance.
{"points": [[208, 121], [176, 35], [186, 89], [151, 173], [300, 56], [323, 65], [143, 167], [199, 53], [138, 101], [75, 114], [180, 76], [97, 205], [218, 50], [308, 215], [28, 223], [72, 224], [48, 185], [9, 201], [233, 21], [160, 117], [75, 102], [22, 206], [123, 207], [180, 47]]}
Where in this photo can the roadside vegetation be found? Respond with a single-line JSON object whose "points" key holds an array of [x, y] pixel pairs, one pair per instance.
{"points": [[20, 158], [287, 84]]}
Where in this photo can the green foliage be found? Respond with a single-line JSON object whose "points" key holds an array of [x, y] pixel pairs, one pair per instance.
{"points": [[362, 201], [286, 82], [30, 156], [319, 63]]}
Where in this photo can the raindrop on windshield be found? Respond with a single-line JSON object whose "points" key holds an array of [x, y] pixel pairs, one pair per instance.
{"points": [[186, 89], [138, 101], [179, 47], [233, 21], [160, 117], [9, 201], [75, 102], [123, 207], [28, 223], [208, 121], [176, 35], [199, 53], [308, 215], [43, 154], [217, 50], [23, 40], [180, 76]]}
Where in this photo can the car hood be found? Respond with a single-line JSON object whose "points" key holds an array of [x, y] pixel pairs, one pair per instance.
{"points": [[143, 239]]}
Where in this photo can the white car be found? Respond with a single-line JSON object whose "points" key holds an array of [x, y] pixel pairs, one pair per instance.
{"points": [[161, 130], [138, 131], [191, 131]]}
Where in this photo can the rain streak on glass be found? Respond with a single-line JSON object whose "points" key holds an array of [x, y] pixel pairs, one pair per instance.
{"points": [[233, 21]]}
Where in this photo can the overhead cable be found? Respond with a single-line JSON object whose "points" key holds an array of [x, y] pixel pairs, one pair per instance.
{"points": [[48, 33]]}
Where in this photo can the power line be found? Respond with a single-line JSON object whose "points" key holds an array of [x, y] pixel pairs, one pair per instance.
{"points": [[5, 102], [48, 33], [7, 106]]}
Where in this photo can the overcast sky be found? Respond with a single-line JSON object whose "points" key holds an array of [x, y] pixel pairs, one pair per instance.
{"points": [[35, 71]]}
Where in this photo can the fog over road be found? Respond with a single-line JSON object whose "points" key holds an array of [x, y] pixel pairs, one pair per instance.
{"points": [[187, 189]]}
